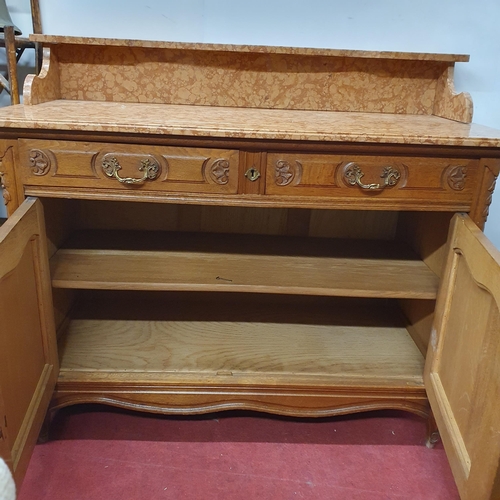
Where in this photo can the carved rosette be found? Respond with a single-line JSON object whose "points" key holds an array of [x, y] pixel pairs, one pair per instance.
{"points": [[39, 162], [219, 171], [456, 177], [284, 173]]}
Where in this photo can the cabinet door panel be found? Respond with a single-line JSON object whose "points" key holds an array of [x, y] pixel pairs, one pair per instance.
{"points": [[28, 356], [462, 373], [4, 448]]}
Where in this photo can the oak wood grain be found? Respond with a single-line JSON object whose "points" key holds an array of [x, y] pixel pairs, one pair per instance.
{"points": [[465, 335], [352, 224], [28, 357], [194, 400], [239, 340], [426, 233], [295, 244], [490, 167], [5, 442], [306, 394], [322, 175], [82, 164], [419, 315], [243, 264], [11, 192]]}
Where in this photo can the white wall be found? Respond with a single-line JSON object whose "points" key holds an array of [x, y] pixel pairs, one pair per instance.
{"points": [[455, 26]]}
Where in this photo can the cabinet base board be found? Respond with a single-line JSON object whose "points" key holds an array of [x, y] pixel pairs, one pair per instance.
{"points": [[287, 403]]}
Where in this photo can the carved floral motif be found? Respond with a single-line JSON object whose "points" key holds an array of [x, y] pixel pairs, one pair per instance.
{"points": [[3, 186], [489, 199], [456, 177], [39, 162], [219, 171], [284, 173]]}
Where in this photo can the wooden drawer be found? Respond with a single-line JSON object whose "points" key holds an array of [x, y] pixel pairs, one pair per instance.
{"points": [[90, 165], [408, 179]]}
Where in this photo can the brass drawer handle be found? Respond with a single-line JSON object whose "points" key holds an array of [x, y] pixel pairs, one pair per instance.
{"points": [[252, 174], [151, 170], [353, 175]]}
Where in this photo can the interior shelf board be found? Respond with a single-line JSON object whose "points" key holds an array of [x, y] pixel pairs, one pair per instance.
{"points": [[242, 263], [268, 339]]}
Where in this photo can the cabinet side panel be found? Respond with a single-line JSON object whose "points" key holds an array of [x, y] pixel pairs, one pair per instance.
{"points": [[426, 233], [450, 104], [419, 315], [45, 86], [62, 220]]}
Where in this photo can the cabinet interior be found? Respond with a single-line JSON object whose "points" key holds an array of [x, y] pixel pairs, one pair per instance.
{"points": [[304, 297]]}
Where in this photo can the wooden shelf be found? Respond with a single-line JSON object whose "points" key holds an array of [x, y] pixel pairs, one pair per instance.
{"points": [[227, 338], [241, 263]]}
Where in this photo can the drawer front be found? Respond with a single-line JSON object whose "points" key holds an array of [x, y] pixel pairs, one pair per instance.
{"points": [[364, 177], [129, 168]]}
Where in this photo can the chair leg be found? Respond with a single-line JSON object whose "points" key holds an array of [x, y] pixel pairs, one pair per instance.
{"points": [[37, 28], [10, 47]]}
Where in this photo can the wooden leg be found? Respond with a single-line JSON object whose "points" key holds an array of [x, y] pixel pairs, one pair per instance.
{"points": [[432, 432]]}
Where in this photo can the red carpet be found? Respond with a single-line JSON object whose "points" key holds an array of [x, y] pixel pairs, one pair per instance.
{"points": [[98, 453]]}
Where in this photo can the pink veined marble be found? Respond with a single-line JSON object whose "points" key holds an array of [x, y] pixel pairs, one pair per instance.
{"points": [[210, 121], [215, 47], [130, 71]]}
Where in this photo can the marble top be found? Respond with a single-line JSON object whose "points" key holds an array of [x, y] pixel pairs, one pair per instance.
{"points": [[262, 49], [251, 123]]}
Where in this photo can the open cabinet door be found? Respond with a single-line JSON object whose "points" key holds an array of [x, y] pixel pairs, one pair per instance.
{"points": [[462, 372], [28, 353]]}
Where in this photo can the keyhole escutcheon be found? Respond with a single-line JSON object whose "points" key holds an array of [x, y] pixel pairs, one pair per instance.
{"points": [[252, 174]]}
